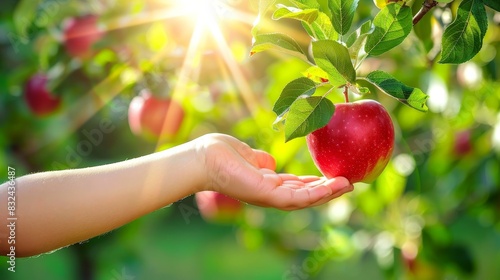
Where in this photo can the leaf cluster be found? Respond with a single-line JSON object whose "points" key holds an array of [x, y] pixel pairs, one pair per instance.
{"points": [[337, 53]]}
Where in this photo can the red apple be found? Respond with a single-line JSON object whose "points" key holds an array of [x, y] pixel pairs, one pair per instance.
{"points": [[153, 117], [217, 207], [80, 34], [462, 145], [409, 253], [357, 142], [39, 99]]}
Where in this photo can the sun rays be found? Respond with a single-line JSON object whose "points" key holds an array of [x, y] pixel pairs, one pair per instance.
{"points": [[213, 22]]}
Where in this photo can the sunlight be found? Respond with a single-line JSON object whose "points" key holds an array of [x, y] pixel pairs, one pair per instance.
{"points": [[202, 11], [207, 15], [204, 30], [211, 21]]}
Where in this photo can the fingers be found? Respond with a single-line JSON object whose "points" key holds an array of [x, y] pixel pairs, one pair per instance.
{"points": [[253, 170], [338, 187], [308, 191]]}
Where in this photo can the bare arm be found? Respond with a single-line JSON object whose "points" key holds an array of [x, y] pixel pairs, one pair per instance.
{"points": [[59, 208], [55, 209]]}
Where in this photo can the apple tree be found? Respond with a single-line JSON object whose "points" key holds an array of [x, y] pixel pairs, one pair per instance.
{"points": [[84, 83], [350, 50]]}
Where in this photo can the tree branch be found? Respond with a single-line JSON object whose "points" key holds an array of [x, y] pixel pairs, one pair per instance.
{"points": [[426, 7]]}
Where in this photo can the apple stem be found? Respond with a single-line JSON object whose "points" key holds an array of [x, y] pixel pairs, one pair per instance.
{"points": [[346, 94]]}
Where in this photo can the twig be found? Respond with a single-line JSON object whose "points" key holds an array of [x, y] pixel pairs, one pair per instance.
{"points": [[426, 7], [346, 93]]}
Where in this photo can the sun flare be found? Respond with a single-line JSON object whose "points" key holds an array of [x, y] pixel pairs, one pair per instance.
{"points": [[207, 16], [203, 31]]}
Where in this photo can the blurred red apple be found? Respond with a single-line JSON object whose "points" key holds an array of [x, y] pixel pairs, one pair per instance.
{"points": [[80, 34], [152, 117], [357, 143], [409, 252], [462, 145], [217, 207], [39, 99]]}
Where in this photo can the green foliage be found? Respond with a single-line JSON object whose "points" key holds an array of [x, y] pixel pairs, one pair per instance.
{"points": [[308, 15], [412, 97], [357, 40], [334, 59], [306, 115], [276, 41], [495, 5], [292, 91], [342, 14], [339, 57], [321, 28], [463, 39], [392, 24]]}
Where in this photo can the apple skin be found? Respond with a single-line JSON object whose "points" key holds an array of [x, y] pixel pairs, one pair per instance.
{"points": [[80, 34], [153, 117], [39, 99], [217, 207], [357, 143]]}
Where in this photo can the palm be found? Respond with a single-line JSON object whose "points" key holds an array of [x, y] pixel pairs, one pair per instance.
{"points": [[235, 169]]}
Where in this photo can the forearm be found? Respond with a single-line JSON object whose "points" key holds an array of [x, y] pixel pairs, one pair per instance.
{"points": [[56, 209]]}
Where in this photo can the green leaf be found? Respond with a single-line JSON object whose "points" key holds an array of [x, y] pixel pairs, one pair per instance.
{"points": [[358, 39], [494, 4], [334, 59], [277, 41], [24, 16], [307, 115], [292, 91], [316, 74], [463, 38], [321, 28], [364, 29], [342, 14], [306, 4], [392, 24], [308, 15], [359, 89], [410, 96]]}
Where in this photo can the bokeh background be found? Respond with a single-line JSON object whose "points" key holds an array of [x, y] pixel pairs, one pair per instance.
{"points": [[434, 213]]}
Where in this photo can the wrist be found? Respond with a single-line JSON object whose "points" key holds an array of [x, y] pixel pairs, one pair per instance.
{"points": [[200, 148], [190, 165]]}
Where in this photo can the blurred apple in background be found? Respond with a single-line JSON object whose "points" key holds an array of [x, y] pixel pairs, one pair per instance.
{"points": [[462, 145], [80, 34], [217, 207], [39, 99], [153, 117]]}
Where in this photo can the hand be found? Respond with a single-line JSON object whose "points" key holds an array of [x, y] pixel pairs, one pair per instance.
{"points": [[235, 169]]}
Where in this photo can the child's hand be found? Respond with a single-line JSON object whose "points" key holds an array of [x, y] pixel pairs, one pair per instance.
{"points": [[235, 169]]}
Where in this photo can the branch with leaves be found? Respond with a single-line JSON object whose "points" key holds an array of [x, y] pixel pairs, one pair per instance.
{"points": [[338, 52]]}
